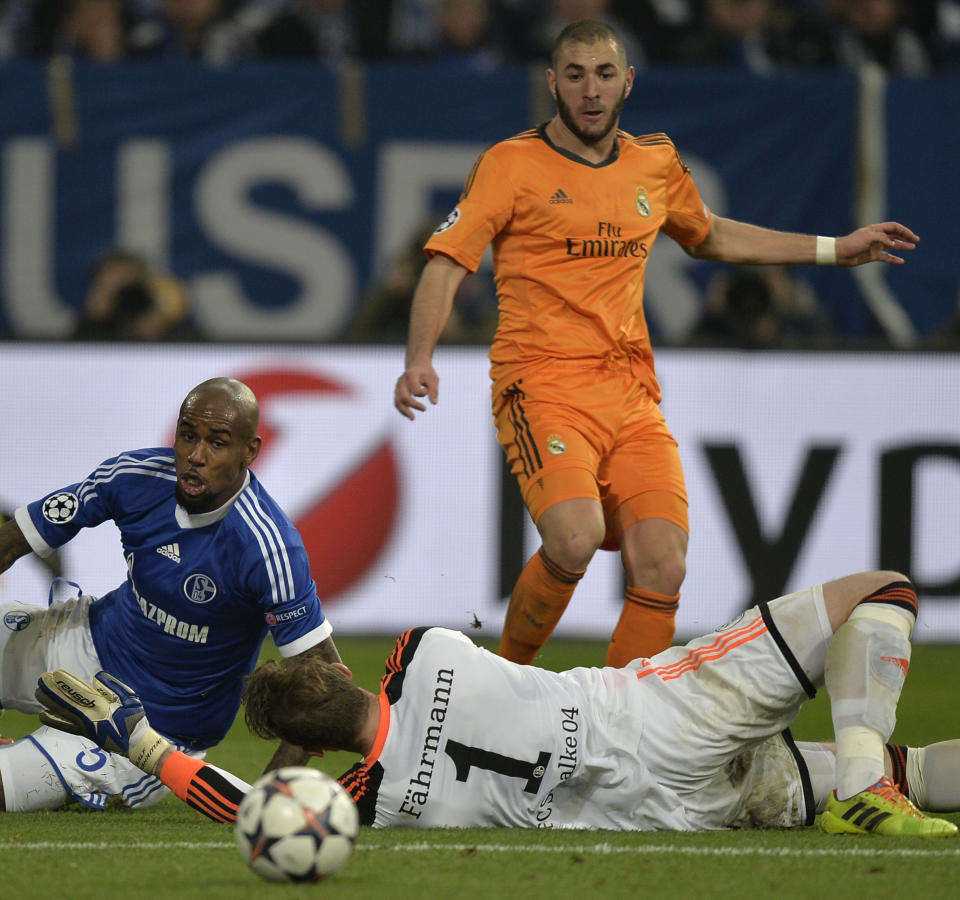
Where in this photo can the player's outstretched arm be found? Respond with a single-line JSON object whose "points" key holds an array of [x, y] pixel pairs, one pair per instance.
{"points": [[111, 715], [741, 243], [429, 312], [208, 789]]}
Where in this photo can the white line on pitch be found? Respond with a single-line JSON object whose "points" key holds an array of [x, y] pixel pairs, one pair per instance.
{"points": [[421, 847]]}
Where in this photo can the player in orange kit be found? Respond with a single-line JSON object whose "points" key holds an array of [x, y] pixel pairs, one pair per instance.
{"points": [[572, 210]]}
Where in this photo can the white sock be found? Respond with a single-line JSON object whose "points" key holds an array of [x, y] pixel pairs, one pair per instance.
{"points": [[865, 667], [821, 768], [933, 776]]}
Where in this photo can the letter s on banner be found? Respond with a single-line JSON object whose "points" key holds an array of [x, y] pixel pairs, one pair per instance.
{"points": [[309, 255]]}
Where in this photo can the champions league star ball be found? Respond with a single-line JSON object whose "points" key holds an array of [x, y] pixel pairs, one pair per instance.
{"points": [[296, 824], [60, 508]]}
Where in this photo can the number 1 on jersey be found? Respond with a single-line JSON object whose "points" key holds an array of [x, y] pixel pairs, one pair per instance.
{"points": [[464, 757]]}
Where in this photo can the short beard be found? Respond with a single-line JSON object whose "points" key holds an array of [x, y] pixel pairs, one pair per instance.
{"points": [[566, 116], [190, 504]]}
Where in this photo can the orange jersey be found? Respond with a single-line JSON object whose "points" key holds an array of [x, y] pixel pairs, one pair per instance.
{"points": [[570, 242]]}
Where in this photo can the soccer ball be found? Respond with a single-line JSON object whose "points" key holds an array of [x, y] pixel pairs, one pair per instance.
{"points": [[296, 824]]}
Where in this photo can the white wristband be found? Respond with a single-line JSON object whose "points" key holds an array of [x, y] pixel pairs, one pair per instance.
{"points": [[826, 251]]}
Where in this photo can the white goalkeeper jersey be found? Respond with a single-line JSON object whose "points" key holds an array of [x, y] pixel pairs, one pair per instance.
{"points": [[467, 738]]}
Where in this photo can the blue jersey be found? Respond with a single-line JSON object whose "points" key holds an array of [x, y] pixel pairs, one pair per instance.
{"points": [[201, 590]]}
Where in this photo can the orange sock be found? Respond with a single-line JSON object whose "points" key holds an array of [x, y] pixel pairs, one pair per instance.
{"points": [[539, 598], [646, 626]]}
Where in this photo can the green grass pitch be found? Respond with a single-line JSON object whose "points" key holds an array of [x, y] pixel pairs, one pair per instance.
{"points": [[170, 851]]}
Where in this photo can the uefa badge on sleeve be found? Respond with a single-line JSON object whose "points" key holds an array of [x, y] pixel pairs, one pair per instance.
{"points": [[449, 221], [60, 508]]}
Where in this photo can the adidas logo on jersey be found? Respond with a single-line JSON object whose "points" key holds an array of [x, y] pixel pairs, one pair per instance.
{"points": [[170, 551], [560, 197]]}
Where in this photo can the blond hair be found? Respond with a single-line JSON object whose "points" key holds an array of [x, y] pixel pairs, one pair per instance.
{"points": [[307, 701]]}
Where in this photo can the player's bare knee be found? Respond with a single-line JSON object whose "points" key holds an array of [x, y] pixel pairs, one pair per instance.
{"points": [[842, 596], [570, 540], [672, 572], [663, 574], [572, 531], [572, 551]]}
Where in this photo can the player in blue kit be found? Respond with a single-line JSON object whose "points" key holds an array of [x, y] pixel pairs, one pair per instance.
{"points": [[213, 564]]}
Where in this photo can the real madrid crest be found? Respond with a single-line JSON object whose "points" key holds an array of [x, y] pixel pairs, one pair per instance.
{"points": [[555, 445], [643, 202]]}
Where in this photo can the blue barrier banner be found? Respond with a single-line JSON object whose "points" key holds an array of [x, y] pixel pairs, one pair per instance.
{"points": [[923, 187], [777, 152], [279, 192]]}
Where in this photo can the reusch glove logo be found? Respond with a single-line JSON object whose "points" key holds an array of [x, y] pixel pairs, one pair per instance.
{"points": [[76, 696]]}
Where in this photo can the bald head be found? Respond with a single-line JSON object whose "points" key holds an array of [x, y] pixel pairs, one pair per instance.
{"points": [[233, 398]]}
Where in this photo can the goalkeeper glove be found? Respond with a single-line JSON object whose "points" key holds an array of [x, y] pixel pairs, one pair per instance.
{"points": [[108, 713]]}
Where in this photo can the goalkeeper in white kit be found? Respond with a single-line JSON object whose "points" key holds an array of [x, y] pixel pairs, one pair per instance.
{"points": [[694, 738]]}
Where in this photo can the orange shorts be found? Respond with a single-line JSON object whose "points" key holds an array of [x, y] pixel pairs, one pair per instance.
{"points": [[571, 429]]}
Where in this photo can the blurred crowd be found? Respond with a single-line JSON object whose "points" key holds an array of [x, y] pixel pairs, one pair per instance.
{"points": [[906, 37], [127, 299]]}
